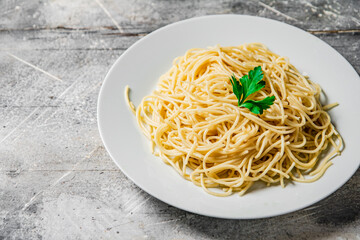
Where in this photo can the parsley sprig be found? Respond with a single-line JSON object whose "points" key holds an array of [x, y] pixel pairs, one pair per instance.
{"points": [[250, 84]]}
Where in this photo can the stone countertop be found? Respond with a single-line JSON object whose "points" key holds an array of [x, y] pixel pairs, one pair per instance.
{"points": [[57, 180]]}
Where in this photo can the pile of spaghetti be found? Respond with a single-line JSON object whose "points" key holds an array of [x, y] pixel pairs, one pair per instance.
{"points": [[195, 124]]}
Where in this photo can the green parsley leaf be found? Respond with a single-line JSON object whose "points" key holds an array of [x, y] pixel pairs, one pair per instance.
{"points": [[237, 89], [257, 107], [250, 84]]}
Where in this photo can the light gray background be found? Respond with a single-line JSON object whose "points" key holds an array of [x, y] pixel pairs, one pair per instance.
{"points": [[56, 179]]}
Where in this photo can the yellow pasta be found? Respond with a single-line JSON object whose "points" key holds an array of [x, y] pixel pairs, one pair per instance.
{"points": [[195, 125]]}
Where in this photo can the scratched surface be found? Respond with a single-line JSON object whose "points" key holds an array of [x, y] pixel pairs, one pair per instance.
{"points": [[56, 179]]}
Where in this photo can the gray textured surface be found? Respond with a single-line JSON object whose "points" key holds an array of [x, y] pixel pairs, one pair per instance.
{"points": [[56, 179]]}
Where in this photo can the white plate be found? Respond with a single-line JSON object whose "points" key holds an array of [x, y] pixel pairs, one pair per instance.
{"points": [[142, 64]]}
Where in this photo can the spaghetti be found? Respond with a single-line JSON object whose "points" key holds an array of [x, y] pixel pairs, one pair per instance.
{"points": [[194, 124]]}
